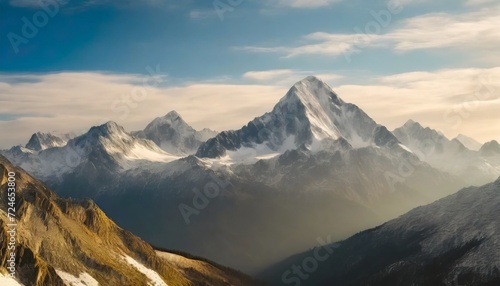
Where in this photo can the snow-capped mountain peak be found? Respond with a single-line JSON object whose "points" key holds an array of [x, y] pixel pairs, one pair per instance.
{"points": [[40, 141], [309, 113], [107, 129], [312, 89], [172, 118], [172, 134], [104, 135], [108, 145], [315, 99]]}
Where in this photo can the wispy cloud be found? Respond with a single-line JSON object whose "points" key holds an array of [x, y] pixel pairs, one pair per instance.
{"points": [[452, 100], [479, 2], [268, 74], [319, 43], [471, 32], [36, 4], [285, 77], [74, 101], [303, 3], [474, 31]]}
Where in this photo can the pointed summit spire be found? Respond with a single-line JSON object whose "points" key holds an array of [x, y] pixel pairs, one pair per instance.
{"points": [[173, 115], [312, 88]]}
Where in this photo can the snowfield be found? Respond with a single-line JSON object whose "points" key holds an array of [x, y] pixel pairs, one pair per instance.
{"points": [[8, 281], [154, 277], [84, 279]]}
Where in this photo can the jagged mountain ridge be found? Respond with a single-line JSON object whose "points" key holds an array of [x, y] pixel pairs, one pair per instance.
{"points": [[336, 163], [453, 241], [60, 240], [447, 155], [107, 146], [40, 141], [172, 134], [310, 112], [469, 142]]}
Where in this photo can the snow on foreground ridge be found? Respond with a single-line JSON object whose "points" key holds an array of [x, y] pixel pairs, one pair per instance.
{"points": [[84, 279], [8, 281], [154, 277]]}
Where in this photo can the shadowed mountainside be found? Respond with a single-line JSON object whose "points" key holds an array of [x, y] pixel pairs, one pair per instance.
{"points": [[61, 240]]}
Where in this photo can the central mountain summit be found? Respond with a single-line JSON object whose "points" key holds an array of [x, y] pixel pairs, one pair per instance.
{"points": [[174, 135], [309, 115]]}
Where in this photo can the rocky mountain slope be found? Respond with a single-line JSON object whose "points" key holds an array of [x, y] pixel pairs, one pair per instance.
{"points": [[453, 241], [72, 242], [309, 113], [315, 163]]}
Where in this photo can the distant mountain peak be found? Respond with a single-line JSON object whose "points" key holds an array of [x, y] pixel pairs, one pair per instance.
{"points": [[492, 143], [309, 113], [415, 128], [415, 125], [490, 148], [107, 129], [40, 141], [174, 135], [172, 114], [469, 142], [173, 118], [411, 122]]}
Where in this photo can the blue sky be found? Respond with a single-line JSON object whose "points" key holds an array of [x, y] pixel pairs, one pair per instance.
{"points": [[256, 45]]}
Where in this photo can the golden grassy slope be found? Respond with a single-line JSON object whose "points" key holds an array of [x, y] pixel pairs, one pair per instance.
{"points": [[72, 236], [76, 237]]}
